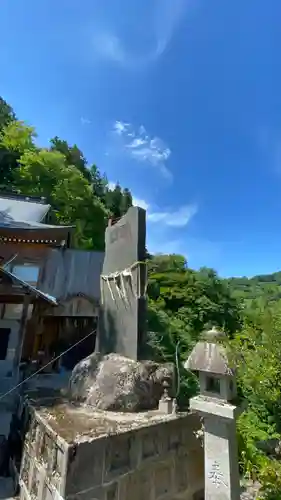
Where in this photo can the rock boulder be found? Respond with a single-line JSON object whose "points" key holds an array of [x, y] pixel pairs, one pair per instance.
{"points": [[114, 382]]}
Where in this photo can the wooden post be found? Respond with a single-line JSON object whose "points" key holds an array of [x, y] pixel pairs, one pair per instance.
{"points": [[22, 330]]}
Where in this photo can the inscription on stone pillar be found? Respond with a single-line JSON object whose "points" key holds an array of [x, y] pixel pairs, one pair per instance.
{"points": [[215, 475]]}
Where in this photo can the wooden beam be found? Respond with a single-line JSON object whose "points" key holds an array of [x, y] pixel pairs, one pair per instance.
{"points": [[14, 299], [22, 330]]}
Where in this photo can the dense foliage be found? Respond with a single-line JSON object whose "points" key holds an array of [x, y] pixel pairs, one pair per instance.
{"points": [[261, 289], [182, 302], [257, 348], [259, 377]]}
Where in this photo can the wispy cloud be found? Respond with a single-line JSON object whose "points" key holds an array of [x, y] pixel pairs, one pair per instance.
{"points": [[161, 18], [120, 128], [85, 121], [162, 232], [177, 218], [172, 218], [110, 47], [138, 202], [140, 146], [167, 17]]}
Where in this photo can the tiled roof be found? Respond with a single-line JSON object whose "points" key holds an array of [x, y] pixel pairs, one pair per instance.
{"points": [[12, 210], [23, 214]]}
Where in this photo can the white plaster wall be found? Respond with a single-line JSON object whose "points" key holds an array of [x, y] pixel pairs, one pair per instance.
{"points": [[7, 364]]}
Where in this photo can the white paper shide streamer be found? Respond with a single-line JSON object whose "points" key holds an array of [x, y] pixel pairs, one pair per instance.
{"points": [[117, 281]]}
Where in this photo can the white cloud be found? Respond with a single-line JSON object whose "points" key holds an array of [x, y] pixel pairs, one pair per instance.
{"points": [[167, 18], [173, 218], [177, 218], [85, 121], [143, 148], [136, 143], [161, 18], [138, 202], [120, 128], [110, 47]]}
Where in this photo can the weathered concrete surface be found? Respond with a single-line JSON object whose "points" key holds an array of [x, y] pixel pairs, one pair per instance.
{"points": [[122, 321], [114, 382], [5, 421], [6, 488], [77, 453]]}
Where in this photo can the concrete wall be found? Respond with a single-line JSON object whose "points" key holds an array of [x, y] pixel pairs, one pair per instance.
{"points": [[163, 461], [44, 463]]}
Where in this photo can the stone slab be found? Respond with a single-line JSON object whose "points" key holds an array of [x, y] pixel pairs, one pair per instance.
{"points": [[206, 406], [122, 320]]}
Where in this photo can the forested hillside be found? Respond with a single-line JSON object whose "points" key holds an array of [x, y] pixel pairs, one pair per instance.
{"points": [[181, 301], [261, 288]]}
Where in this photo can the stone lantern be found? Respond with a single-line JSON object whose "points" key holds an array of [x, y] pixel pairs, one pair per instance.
{"points": [[217, 404]]}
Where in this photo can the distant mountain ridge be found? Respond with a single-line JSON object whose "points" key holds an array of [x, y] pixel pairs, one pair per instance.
{"points": [[262, 286]]}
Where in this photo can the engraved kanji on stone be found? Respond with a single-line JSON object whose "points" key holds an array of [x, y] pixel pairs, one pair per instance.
{"points": [[216, 476]]}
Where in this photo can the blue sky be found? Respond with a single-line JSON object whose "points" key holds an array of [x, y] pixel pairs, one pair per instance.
{"points": [[179, 100]]}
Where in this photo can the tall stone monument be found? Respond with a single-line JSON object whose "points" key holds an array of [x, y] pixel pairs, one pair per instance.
{"points": [[217, 405], [122, 321]]}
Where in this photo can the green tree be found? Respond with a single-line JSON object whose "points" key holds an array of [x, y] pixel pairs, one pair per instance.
{"points": [[99, 183], [6, 113], [73, 155], [127, 201], [40, 172], [15, 139], [45, 173], [114, 201], [257, 350], [181, 303]]}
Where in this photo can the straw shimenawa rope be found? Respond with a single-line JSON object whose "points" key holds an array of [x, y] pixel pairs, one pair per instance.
{"points": [[118, 278]]}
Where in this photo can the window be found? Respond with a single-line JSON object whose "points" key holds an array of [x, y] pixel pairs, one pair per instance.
{"points": [[4, 341], [213, 385], [26, 272]]}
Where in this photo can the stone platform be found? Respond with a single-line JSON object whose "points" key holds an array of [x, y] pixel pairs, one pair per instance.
{"points": [[72, 451]]}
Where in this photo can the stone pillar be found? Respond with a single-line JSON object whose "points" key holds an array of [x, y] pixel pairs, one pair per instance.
{"points": [[217, 404], [122, 317]]}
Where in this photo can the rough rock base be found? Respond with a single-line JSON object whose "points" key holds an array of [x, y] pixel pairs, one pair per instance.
{"points": [[114, 382]]}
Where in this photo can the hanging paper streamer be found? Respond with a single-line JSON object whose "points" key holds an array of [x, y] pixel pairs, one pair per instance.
{"points": [[119, 279]]}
